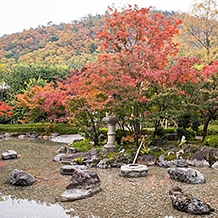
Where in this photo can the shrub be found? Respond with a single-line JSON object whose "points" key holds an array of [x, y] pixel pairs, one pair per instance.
{"points": [[82, 146], [62, 128], [188, 133], [159, 131], [211, 141], [184, 120], [120, 134], [170, 130]]}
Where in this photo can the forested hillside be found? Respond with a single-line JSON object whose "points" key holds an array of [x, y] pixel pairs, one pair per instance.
{"points": [[71, 44], [75, 44]]}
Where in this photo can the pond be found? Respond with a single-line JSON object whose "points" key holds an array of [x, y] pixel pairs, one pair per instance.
{"points": [[120, 197], [37, 201], [12, 207]]}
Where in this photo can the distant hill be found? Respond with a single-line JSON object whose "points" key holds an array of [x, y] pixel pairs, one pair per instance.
{"points": [[72, 44]]}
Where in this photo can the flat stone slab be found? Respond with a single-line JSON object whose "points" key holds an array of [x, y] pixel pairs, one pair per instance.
{"points": [[67, 139], [10, 154], [133, 170], [76, 194]]}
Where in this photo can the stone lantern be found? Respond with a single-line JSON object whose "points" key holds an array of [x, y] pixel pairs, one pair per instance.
{"points": [[111, 123]]}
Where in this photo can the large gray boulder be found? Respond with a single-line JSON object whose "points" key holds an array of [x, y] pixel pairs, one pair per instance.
{"points": [[57, 158], [187, 175], [210, 154], [197, 159], [21, 178], [83, 184], [188, 203], [181, 162], [147, 159]]}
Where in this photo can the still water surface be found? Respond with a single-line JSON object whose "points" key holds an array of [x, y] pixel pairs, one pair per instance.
{"points": [[10, 207]]}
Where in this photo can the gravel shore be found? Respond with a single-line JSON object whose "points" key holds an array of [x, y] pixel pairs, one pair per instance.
{"points": [[145, 197]]}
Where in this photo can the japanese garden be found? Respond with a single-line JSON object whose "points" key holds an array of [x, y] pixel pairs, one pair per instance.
{"points": [[136, 92]]}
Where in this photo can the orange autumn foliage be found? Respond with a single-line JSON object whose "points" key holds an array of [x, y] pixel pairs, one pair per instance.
{"points": [[5, 110]]}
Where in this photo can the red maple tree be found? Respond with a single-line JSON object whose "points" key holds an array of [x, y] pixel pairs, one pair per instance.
{"points": [[5, 110]]}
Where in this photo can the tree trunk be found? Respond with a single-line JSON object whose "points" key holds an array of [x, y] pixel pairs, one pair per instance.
{"points": [[136, 126], [207, 120], [206, 123]]}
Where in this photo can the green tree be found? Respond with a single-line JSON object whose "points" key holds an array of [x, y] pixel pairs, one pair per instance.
{"points": [[18, 76]]}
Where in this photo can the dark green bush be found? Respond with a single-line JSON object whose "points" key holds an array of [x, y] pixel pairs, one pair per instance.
{"points": [[62, 128], [188, 133], [159, 132], [119, 134], [184, 120]]}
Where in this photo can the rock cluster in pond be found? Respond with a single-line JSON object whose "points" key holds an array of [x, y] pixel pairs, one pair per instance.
{"points": [[83, 184], [201, 157], [21, 178], [89, 158], [188, 203], [187, 175], [10, 154]]}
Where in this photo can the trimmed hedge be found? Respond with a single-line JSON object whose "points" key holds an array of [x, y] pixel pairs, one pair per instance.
{"points": [[44, 128]]}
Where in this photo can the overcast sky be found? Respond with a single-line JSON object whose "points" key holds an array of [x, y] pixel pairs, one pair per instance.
{"points": [[17, 15]]}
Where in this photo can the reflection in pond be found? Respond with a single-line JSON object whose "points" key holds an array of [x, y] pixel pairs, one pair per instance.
{"points": [[23, 208]]}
